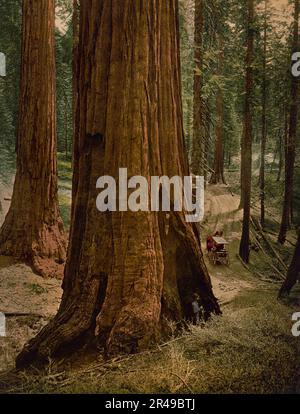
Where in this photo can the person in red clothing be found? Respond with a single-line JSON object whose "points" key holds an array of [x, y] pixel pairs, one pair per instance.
{"points": [[209, 243]]}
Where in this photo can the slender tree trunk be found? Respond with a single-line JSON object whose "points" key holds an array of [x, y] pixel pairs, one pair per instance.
{"points": [[242, 167], [293, 272], [290, 147], [66, 123], [198, 149], [125, 273], [280, 166], [218, 174], [33, 229], [264, 123], [247, 137]]}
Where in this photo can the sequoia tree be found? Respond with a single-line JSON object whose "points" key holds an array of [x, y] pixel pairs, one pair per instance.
{"points": [[291, 139], [126, 272], [246, 165], [33, 229], [198, 147], [218, 174]]}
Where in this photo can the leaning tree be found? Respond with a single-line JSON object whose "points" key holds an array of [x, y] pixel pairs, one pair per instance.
{"points": [[293, 274], [33, 230], [127, 272]]}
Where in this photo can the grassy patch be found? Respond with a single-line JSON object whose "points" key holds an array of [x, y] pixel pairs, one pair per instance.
{"points": [[35, 288], [65, 188], [65, 209]]}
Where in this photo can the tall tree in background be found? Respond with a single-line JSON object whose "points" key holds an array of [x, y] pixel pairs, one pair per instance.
{"points": [[218, 174], [291, 140], [126, 271], [198, 147], [9, 86], [33, 229], [263, 120], [246, 165]]}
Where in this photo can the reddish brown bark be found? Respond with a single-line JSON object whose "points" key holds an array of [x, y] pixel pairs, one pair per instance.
{"points": [[33, 229], [198, 147], [125, 274], [291, 140], [246, 166]]}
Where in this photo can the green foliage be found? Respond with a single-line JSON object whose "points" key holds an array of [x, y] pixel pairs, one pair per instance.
{"points": [[64, 48], [10, 12]]}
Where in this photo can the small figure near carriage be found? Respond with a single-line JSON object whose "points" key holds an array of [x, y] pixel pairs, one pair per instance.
{"points": [[216, 249]]}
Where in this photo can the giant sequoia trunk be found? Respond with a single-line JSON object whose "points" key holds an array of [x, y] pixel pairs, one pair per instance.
{"points": [[290, 144], [198, 147], [246, 166], [293, 272], [126, 271], [33, 229]]}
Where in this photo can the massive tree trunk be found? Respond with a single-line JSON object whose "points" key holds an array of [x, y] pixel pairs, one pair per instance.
{"points": [[33, 229], [264, 123], [246, 166], [293, 272], [290, 145], [126, 271], [198, 147]]}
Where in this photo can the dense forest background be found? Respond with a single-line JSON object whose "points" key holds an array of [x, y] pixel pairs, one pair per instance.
{"points": [[224, 33], [238, 104]]}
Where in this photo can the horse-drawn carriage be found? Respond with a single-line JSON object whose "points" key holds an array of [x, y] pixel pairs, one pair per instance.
{"points": [[216, 250]]}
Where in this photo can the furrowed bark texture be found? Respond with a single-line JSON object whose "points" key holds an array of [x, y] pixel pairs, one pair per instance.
{"points": [[33, 229], [198, 147], [125, 272]]}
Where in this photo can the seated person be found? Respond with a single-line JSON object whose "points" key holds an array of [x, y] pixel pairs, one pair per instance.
{"points": [[209, 243]]}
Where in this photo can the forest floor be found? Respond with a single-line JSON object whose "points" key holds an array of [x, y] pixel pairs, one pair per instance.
{"points": [[250, 349]]}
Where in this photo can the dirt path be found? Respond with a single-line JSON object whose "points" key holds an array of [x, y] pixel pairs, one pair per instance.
{"points": [[222, 213]]}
